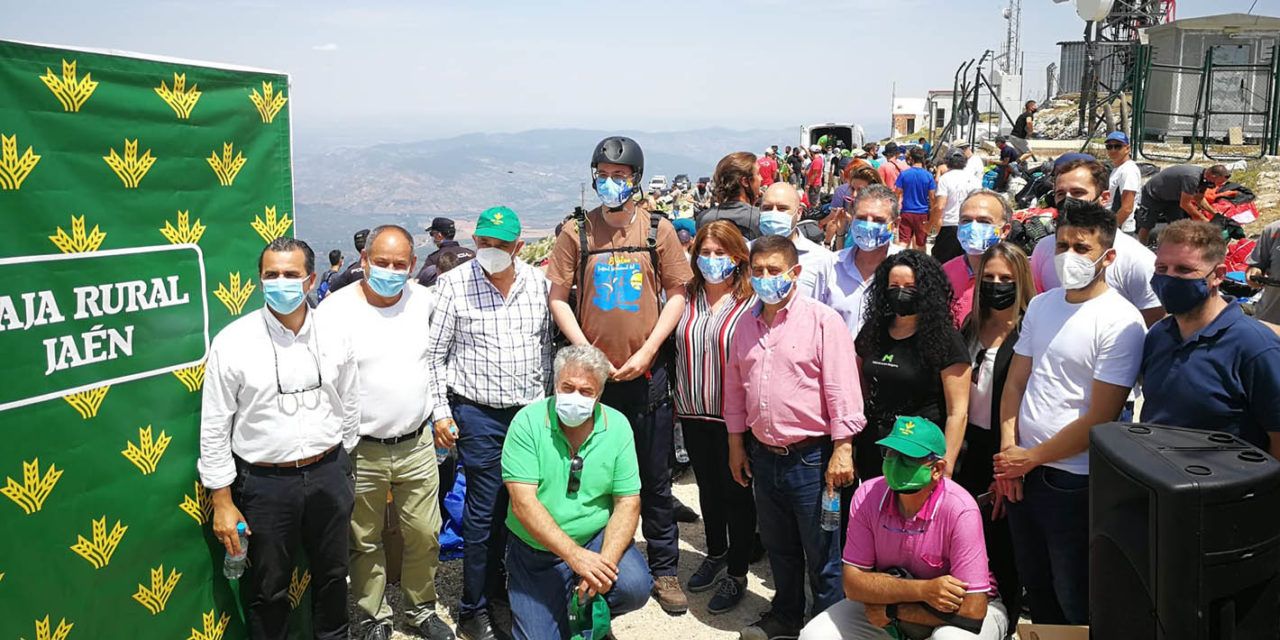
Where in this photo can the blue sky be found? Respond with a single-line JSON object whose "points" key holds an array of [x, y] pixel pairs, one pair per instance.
{"points": [[400, 70]]}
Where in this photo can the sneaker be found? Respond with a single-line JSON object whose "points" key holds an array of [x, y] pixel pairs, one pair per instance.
{"points": [[432, 628], [705, 577], [667, 591], [377, 631], [476, 627], [770, 628], [729, 593], [683, 513]]}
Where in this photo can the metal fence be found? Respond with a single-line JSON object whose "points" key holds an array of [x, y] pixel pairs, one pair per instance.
{"points": [[1226, 109]]}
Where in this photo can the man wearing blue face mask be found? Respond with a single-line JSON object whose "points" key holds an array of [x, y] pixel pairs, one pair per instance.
{"points": [[984, 221], [279, 413], [1208, 365], [386, 317], [780, 213], [875, 217]]}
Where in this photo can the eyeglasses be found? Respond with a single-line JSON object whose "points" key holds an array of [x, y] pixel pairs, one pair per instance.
{"points": [[1114, 146], [575, 474], [275, 357]]}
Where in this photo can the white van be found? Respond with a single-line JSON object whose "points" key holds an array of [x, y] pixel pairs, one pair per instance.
{"points": [[851, 134]]}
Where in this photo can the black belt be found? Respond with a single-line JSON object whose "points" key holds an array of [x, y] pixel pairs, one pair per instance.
{"points": [[797, 446], [398, 439]]}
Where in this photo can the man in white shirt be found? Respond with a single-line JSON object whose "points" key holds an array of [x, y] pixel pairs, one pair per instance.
{"points": [[386, 316], [1075, 361], [875, 220], [1125, 181], [782, 202], [489, 356], [1081, 182], [973, 164], [953, 187], [279, 414]]}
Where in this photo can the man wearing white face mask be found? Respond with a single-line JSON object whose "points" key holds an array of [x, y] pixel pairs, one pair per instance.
{"points": [[1075, 361], [386, 316], [570, 465], [279, 412], [780, 212], [490, 356]]}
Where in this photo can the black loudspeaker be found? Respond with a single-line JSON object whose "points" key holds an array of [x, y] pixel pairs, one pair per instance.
{"points": [[1184, 531]]}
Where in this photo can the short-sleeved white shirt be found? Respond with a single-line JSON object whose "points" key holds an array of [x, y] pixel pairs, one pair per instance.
{"points": [[955, 185], [1070, 346], [1130, 274], [1126, 177]]}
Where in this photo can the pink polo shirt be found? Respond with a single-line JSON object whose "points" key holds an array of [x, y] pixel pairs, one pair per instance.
{"points": [[944, 538], [962, 283], [794, 380]]}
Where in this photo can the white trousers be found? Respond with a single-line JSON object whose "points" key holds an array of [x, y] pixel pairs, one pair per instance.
{"points": [[847, 620]]}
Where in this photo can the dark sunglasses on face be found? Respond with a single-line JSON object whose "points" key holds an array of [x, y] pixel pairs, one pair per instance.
{"points": [[575, 474], [1114, 146]]}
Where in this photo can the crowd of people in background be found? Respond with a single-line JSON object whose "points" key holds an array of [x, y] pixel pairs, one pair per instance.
{"points": [[873, 381]]}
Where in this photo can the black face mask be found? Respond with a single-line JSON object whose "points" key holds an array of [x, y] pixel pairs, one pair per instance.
{"points": [[998, 295], [1072, 204], [902, 300]]}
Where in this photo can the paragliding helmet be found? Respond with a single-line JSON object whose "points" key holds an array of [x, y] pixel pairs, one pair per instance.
{"points": [[618, 150]]}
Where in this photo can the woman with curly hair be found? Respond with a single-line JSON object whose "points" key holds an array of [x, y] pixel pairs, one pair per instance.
{"points": [[912, 359]]}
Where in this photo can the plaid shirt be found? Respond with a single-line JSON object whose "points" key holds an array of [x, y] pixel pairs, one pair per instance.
{"points": [[489, 350]]}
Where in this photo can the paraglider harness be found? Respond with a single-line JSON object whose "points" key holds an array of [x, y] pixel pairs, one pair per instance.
{"points": [[584, 253]]}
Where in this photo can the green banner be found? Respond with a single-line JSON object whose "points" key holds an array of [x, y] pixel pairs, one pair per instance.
{"points": [[73, 322], [155, 183]]}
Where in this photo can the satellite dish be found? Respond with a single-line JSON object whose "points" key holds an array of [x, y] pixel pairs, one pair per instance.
{"points": [[1005, 13], [1093, 10]]}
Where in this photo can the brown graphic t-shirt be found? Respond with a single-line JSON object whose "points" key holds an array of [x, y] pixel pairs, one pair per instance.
{"points": [[618, 301]]}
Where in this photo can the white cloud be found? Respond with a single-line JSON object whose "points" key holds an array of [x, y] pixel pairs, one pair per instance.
{"points": [[328, 46]]}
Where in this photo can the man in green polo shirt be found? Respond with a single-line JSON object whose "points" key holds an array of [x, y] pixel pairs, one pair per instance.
{"points": [[569, 464]]}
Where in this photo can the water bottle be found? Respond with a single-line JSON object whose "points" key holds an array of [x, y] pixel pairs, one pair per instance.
{"points": [[442, 453], [233, 565], [831, 510], [682, 454]]}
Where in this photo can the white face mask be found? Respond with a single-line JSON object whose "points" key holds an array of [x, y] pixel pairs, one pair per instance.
{"points": [[574, 409], [493, 259], [1074, 270]]}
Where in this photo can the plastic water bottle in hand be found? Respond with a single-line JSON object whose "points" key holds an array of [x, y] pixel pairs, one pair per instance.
{"points": [[831, 510], [233, 565], [682, 454], [442, 453]]}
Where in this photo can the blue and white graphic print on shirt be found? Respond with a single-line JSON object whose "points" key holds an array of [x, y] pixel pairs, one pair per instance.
{"points": [[617, 283]]}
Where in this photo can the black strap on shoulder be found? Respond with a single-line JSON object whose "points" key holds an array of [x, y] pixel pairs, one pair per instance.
{"points": [[585, 253]]}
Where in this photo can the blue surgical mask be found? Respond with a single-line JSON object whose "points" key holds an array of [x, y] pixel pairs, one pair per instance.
{"points": [[772, 289], [614, 192], [386, 282], [716, 269], [283, 295], [869, 235], [977, 237], [774, 223], [1179, 295]]}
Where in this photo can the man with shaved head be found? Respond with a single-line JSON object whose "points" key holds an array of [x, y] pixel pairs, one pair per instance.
{"points": [[780, 212], [386, 317]]}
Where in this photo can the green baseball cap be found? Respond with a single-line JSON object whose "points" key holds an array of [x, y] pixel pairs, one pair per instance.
{"points": [[500, 223], [915, 437]]}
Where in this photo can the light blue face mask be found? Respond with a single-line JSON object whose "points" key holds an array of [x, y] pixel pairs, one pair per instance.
{"points": [[283, 295], [869, 235], [386, 282], [614, 192], [976, 237], [716, 269], [774, 223], [772, 289]]}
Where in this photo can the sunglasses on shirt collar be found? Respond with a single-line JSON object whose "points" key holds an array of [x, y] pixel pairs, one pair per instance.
{"points": [[575, 475]]}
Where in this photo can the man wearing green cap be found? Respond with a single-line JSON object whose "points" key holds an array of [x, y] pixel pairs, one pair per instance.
{"points": [[915, 560], [490, 353]]}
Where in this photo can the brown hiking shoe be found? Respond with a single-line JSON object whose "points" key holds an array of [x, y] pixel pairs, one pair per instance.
{"points": [[667, 591]]}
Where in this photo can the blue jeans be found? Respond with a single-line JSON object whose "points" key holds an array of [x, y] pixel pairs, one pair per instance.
{"points": [[481, 432], [1050, 528], [541, 584], [789, 508]]}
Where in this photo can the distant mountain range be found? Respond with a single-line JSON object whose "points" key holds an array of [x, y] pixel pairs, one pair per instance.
{"points": [[537, 173]]}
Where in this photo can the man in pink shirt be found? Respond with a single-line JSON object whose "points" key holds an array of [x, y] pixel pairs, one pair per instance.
{"points": [[984, 220], [892, 167], [914, 556], [791, 381]]}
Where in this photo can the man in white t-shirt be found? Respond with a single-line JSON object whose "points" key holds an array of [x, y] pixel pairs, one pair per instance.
{"points": [[387, 317], [1081, 182], [973, 164], [953, 187], [1125, 182], [1074, 364]]}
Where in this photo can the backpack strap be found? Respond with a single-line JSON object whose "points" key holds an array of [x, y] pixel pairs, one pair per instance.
{"points": [[580, 217], [585, 252], [655, 219]]}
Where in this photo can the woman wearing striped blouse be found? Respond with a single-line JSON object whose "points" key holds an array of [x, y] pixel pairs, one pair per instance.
{"points": [[719, 294]]}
